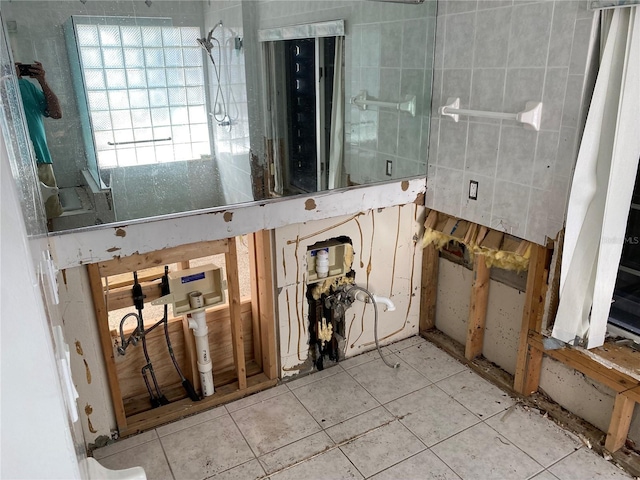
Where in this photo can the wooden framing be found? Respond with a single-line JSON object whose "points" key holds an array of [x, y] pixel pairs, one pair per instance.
{"points": [[429, 288], [477, 308], [620, 422], [529, 361], [251, 370], [612, 365]]}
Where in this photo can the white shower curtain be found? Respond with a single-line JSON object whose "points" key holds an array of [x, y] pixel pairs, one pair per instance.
{"points": [[602, 186], [336, 153]]}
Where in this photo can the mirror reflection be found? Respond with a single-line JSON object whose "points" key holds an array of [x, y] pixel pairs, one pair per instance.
{"points": [[172, 106]]}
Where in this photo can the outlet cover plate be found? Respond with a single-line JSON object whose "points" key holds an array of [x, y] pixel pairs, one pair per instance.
{"points": [[473, 190]]}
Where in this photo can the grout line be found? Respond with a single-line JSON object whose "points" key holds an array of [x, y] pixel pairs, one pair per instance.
{"points": [[235, 466], [243, 437], [336, 446], [164, 452]]}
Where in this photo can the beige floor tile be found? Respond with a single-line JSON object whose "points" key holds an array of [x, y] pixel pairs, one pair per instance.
{"points": [[431, 414], [332, 465], [335, 399], [314, 377], [251, 470], [537, 436], [191, 421], [206, 449], [425, 465], [274, 423], [585, 464], [359, 425], [149, 456], [481, 453], [430, 361], [296, 452], [363, 358], [256, 398], [476, 394], [125, 444], [385, 383], [544, 476], [406, 343], [382, 448]]}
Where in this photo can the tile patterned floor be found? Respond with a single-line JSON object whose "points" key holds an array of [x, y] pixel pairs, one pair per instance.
{"points": [[430, 418]]}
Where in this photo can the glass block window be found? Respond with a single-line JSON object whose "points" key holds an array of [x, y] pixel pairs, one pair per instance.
{"points": [[145, 92]]}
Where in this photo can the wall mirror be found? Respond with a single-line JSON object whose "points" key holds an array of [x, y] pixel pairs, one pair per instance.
{"points": [[173, 106]]}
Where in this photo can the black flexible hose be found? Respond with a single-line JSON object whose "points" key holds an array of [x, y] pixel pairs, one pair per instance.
{"points": [[186, 384], [132, 338]]}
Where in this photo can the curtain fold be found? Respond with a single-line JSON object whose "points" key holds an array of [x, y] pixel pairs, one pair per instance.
{"points": [[336, 154], [602, 186]]}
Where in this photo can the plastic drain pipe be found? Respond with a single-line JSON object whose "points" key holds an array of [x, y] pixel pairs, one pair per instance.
{"points": [[198, 322]]}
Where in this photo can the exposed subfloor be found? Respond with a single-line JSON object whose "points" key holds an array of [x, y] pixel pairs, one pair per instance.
{"points": [[430, 418]]}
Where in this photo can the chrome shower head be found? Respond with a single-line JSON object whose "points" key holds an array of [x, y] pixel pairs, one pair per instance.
{"points": [[205, 43]]}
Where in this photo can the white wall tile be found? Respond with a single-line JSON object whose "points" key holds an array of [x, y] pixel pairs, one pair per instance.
{"points": [[459, 37], [541, 46], [530, 32], [492, 39]]}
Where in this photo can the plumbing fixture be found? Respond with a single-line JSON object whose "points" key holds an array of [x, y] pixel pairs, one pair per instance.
{"points": [[186, 383], [223, 119], [347, 294], [197, 321], [148, 373], [140, 333], [47, 191], [192, 291], [377, 299]]}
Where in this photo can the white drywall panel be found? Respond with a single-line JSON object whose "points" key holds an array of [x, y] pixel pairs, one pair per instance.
{"points": [[387, 261]]}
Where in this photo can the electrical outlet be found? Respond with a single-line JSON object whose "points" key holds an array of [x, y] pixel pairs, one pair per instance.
{"points": [[473, 190], [389, 168]]}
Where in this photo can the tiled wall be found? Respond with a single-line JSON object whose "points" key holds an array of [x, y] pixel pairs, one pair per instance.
{"points": [[497, 55], [232, 146], [388, 52]]}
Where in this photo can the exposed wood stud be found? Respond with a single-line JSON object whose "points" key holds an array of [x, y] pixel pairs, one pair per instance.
{"points": [[620, 422], [255, 305], [478, 308], [265, 300], [102, 318], [429, 287], [527, 375], [233, 288]]}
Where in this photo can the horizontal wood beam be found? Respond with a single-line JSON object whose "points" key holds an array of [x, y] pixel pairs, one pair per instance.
{"points": [[139, 261], [584, 363], [174, 411]]}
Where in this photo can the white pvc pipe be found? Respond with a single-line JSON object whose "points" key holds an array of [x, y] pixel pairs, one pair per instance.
{"points": [[198, 322], [378, 299], [385, 301]]}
